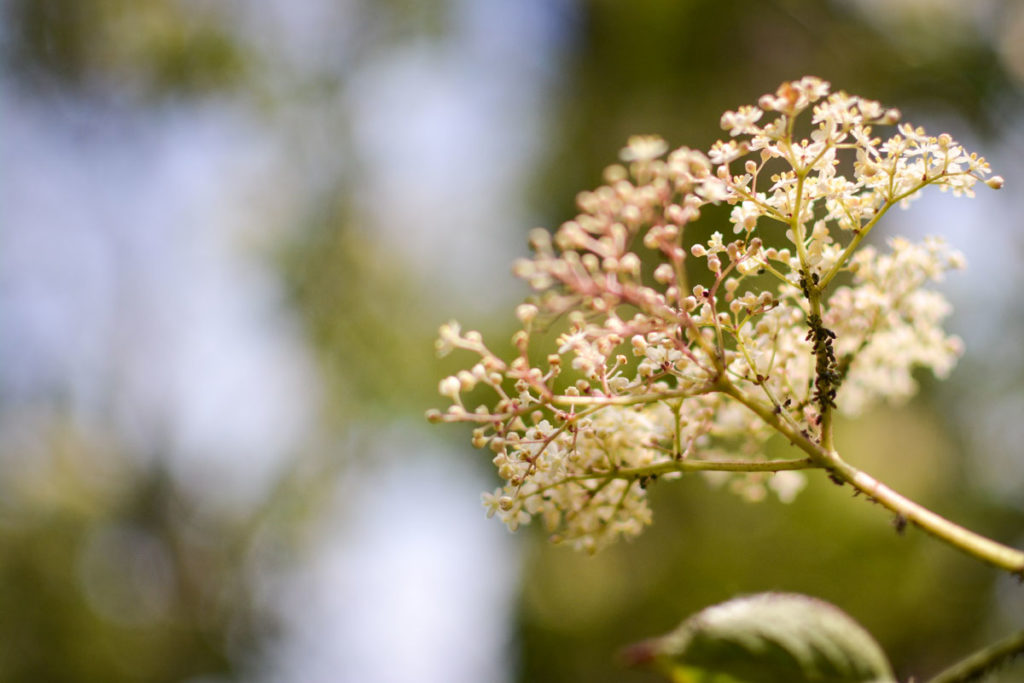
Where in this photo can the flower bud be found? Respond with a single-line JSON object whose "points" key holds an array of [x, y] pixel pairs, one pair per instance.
{"points": [[450, 387], [526, 313], [664, 273]]}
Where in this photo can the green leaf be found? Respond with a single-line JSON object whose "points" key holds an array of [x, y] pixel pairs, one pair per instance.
{"points": [[768, 638]]}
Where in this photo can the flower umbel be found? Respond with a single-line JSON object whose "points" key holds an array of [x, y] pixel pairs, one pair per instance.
{"points": [[654, 375]]}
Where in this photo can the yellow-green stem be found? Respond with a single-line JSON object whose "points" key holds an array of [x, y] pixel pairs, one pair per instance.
{"points": [[965, 540], [684, 466], [825, 425]]}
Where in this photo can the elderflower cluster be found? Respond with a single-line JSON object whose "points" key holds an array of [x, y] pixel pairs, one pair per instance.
{"points": [[665, 356]]}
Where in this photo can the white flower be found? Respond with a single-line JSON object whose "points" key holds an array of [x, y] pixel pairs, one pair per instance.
{"points": [[723, 152], [787, 484], [643, 148], [741, 121], [448, 338]]}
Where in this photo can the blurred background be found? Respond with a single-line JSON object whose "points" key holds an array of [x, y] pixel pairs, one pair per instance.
{"points": [[228, 233]]}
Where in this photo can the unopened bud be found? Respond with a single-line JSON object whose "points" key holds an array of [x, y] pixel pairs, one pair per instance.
{"points": [[450, 387], [526, 313], [664, 273]]}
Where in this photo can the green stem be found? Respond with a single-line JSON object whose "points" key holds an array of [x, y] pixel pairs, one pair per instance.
{"points": [[684, 466], [796, 226], [628, 400], [965, 540], [983, 661], [855, 242], [866, 228], [825, 409]]}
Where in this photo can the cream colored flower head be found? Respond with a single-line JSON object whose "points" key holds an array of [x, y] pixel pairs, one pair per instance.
{"points": [[645, 354]]}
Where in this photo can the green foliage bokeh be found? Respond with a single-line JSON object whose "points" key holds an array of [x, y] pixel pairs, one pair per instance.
{"points": [[654, 66]]}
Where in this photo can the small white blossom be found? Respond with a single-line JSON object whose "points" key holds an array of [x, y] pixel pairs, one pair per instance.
{"points": [[787, 485], [741, 121], [643, 148]]}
